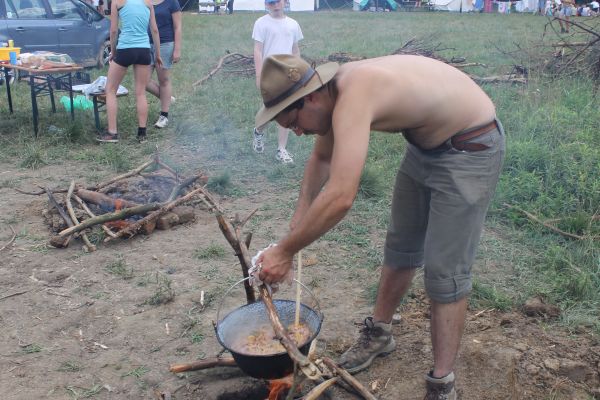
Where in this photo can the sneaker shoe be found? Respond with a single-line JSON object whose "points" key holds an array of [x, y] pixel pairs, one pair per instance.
{"points": [[106, 137], [258, 143], [142, 138], [440, 388], [162, 122], [375, 340], [173, 99], [283, 156]]}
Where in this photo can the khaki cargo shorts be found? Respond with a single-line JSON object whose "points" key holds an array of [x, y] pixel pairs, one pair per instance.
{"points": [[440, 200]]}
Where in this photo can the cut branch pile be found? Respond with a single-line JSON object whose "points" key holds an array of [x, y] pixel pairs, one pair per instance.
{"points": [[147, 198], [233, 64]]}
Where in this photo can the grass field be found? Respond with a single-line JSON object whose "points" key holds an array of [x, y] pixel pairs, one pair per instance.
{"points": [[552, 169]]}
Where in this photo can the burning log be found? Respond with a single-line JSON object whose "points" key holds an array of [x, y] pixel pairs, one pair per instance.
{"points": [[104, 201]]}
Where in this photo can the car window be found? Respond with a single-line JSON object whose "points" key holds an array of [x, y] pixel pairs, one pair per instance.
{"points": [[66, 9], [30, 9]]}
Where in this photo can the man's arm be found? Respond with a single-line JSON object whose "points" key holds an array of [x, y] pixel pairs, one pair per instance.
{"points": [[258, 59]]}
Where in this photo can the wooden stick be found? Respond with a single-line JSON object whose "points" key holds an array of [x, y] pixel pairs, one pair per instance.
{"points": [[298, 289], [215, 69], [91, 248], [59, 241], [121, 214], [14, 236], [349, 379], [91, 214], [551, 227], [187, 182], [308, 368], [104, 201], [318, 390], [125, 175], [203, 364], [13, 294]]}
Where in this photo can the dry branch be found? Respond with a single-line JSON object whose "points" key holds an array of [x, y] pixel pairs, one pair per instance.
{"points": [[13, 294], [124, 176], [121, 214], [91, 214], [345, 375], [203, 364], [535, 219], [14, 236], [59, 241], [509, 78], [212, 72], [317, 391], [86, 240]]}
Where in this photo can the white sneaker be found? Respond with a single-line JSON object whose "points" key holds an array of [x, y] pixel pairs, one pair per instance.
{"points": [[162, 122], [283, 156], [258, 143], [172, 99]]}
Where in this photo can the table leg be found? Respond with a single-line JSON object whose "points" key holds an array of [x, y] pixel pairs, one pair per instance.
{"points": [[7, 80], [34, 108], [71, 97], [96, 116]]}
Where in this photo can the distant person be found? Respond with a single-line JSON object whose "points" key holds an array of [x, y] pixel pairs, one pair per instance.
{"points": [[230, 7], [443, 187], [274, 33], [595, 6], [168, 20], [565, 13], [133, 48]]}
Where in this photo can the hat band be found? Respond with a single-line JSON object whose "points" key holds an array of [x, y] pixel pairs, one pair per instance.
{"points": [[307, 75]]}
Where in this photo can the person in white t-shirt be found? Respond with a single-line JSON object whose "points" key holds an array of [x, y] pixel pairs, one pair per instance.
{"points": [[274, 33], [595, 6]]}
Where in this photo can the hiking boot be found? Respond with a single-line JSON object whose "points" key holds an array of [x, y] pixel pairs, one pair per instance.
{"points": [[258, 144], [283, 156], [375, 340], [440, 388], [107, 137], [162, 122]]}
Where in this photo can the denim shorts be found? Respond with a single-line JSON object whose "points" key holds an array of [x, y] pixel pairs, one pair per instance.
{"points": [[438, 209], [166, 53]]}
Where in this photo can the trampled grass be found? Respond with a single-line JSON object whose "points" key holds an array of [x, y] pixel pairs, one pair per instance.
{"points": [[552, 168]]}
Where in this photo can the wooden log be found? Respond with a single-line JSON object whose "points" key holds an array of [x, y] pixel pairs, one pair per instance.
{"points": [[85, 208], [131, 173], [345, 375], [59, 241], [124, 213], [104, 201], [317, 391], [203, 364], [187, 182]]}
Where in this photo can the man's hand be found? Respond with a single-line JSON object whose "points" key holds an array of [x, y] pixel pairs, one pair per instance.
{"points": [[276, 265]]}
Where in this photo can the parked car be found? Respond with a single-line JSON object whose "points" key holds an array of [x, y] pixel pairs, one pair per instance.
{"points": [[72, 27]]}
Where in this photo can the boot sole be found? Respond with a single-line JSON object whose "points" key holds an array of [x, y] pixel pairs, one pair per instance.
{"points": [[385, 351]]}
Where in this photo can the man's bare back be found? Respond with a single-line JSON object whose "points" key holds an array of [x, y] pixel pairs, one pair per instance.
{"points": [[427, 100]]}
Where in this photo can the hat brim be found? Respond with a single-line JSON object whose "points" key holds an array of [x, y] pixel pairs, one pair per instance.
{"points": [[325, 72]]}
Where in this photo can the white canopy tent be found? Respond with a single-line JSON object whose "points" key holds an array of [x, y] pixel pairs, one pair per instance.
{"points": [[259, 5], [453, 5]]}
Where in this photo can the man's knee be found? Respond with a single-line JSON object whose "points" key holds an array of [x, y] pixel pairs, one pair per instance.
{"points": [[450, 289]]}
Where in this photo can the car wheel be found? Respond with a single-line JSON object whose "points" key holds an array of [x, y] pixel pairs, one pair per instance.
{"points": [[104, 54]]}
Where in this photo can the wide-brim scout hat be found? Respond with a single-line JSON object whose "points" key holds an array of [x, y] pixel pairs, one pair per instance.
{"points": [[285, 79]]}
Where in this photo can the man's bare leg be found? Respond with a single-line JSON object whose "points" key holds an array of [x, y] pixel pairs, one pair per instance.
{"points": [[393, 285], [447, 325]]}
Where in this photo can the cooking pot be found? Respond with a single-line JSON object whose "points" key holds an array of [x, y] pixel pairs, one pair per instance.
{"points": [[246, 319]]}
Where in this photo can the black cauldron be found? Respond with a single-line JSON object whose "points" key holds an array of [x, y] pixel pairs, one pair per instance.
{"points": [[242, 321]]}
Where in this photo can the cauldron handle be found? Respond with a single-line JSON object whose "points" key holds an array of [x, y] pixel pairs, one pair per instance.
{"points": [[270, 292]]}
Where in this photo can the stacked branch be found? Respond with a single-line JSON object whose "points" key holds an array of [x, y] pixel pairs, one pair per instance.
{"points": [[98, 206]]}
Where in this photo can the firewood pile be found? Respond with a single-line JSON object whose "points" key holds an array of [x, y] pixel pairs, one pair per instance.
{"points": [[152, 196]]}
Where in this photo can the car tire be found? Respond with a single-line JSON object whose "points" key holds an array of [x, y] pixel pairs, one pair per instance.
{"points": [[103, 54]]}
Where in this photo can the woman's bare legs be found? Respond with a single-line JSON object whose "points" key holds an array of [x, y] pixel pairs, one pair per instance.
{"points": [[162, 89], [141, 74], [116, 73]]}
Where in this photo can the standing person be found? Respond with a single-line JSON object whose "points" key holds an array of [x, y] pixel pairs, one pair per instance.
{"points": [[447, 179], [274, 33], [230, 7], [133, 48], [566, 11], [168, 21]]}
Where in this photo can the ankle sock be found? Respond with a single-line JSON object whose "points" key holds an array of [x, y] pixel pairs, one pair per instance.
{"points": [[141, 131], [164, 114]]}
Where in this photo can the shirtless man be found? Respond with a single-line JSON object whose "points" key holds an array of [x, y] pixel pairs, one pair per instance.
{"points": [[442, 190]]}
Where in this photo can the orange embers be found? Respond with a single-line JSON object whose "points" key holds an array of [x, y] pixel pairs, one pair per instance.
{"points": [[118, 224], [278, 387]]}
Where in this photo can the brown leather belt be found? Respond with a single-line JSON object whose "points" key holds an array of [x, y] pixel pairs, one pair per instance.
{"points": [[460, 140]]}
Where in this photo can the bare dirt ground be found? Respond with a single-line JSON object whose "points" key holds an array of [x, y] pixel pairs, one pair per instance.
{"points": [[72, 329]]}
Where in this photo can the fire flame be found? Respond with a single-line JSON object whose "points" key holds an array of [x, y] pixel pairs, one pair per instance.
{"points": [[277, 387]]}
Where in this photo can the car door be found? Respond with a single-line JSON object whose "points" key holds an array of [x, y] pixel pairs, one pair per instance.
{"points": [[78, 28], [29, 26]]}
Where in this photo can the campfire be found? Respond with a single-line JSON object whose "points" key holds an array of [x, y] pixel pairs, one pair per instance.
{"points": [[150, 197]]}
